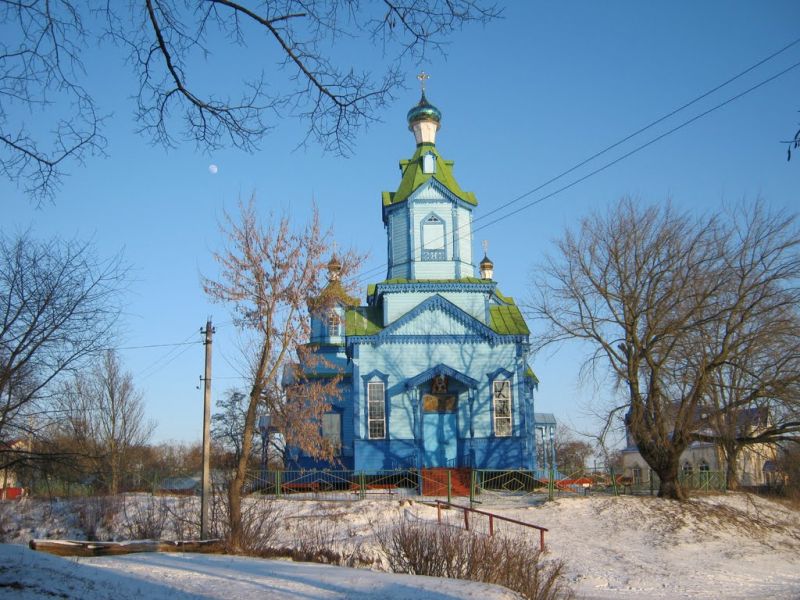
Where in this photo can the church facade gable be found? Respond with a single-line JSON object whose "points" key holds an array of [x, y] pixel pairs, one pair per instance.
{"points": [[434, 317]]}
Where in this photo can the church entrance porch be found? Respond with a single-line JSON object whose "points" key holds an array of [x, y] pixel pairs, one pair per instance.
{"points": [[439, 439], [439, 425], [442, 415]]}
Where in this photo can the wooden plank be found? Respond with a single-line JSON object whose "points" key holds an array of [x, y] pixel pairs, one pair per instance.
{"points": [[84, 548]]}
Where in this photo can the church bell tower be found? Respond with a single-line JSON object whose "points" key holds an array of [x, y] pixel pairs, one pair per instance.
{"points": [[429, 217]]}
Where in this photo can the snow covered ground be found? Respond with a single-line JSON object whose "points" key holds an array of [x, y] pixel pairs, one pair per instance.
{"points": [[732, 546], [721, 546], [27, 574]]}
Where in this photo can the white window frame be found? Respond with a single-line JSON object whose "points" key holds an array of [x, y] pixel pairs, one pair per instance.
{"points": [[376, 410], [333, 323], [503, 423], [434, 233]]}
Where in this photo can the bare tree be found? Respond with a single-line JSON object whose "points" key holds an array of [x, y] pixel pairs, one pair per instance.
{"points": [[40, 72], [753, 404], [571, 453], [268, 274], [667, 301], [227, 425], [58, 309], [282, 47], [103, 413]]}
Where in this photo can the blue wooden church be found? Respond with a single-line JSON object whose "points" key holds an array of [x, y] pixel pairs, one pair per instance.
{"points": [[435, 365]]}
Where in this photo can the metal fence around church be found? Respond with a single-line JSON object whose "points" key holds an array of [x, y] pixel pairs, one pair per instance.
{"points": [[478, 486]]}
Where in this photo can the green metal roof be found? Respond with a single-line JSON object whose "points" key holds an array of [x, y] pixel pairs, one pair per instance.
{"points": [[363, 320], [507, 320], [530, 374], [413, 177], [368, 320], [323, 345], [503, 298], [332, 293]]}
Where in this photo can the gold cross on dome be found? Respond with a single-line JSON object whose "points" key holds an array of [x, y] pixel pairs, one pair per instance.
{"points": [[485, 244], [423, 76]]}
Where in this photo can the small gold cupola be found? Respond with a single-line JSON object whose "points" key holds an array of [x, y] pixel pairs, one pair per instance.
{"points": [[486, 265], [334, 268]]}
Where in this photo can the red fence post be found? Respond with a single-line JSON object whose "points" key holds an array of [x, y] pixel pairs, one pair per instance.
{"points": [[491, 525], [439, 512], [466, 519], [541, 540]]}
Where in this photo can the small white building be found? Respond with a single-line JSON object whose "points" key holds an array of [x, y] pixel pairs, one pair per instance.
{"points": [[755, 463]]}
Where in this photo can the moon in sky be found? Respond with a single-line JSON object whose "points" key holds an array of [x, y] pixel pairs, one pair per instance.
{"points": [[213, 169]]}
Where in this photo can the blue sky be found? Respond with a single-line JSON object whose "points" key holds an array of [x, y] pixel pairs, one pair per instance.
{"points": [[523, 99]]}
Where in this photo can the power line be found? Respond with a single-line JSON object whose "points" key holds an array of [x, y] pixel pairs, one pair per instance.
{"points": [[156, 367], [168, 357], [235, 368], [376, 270], [156, 346], [638, 148], [645, 128]]}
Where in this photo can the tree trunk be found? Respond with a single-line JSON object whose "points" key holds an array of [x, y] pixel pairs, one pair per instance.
{"points": [[235, 513], [236, 536], [663, 456], [669, 486], [113, 487], [731, 476]]}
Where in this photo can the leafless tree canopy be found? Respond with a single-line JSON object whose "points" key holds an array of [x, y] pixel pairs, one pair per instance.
{"points": [[101, 417], [58, 308], [269, 272], [670, 303], [40, 79], [284, 51], [572, 453]]}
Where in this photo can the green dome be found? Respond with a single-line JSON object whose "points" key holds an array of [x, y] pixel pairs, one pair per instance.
{"points": [[424, 110]]}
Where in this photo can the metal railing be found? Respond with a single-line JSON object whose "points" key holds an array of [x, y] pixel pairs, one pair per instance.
{"points": [[492, 517]]}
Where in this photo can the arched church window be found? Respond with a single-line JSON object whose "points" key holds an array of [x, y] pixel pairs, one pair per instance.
{"points": [[433, 247]]}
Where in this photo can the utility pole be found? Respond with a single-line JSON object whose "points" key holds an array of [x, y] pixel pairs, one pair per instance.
{"points": [[206, 490]]}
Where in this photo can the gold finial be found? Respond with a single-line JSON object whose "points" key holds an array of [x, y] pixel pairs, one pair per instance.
{"points": [[423, 76], [485, 244]]}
